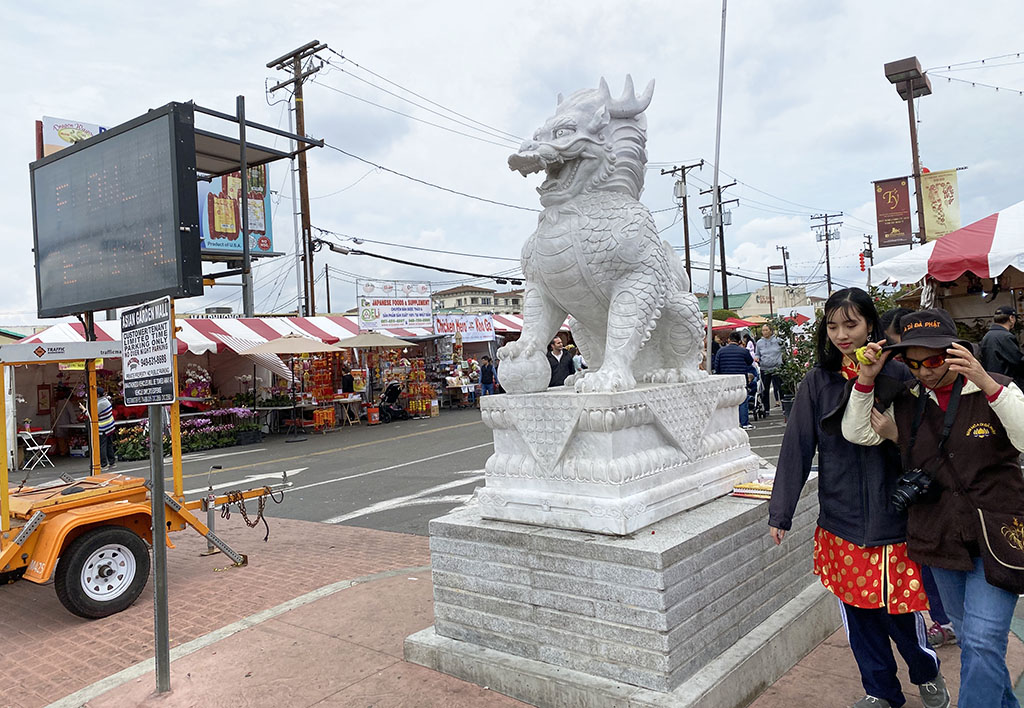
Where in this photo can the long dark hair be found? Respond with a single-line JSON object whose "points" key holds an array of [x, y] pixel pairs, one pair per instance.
{"points": [[848, 300]]}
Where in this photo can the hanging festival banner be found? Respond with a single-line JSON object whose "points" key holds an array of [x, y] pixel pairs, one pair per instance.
{"points": [[941, 203], [892, 211], [474, 328]]}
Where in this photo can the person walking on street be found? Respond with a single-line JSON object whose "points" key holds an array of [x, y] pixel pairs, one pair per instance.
{"points": [[734, 358], [769, 358], [1000, 351], [860, 543], [487, 379], [960, 431], [560, 361]]}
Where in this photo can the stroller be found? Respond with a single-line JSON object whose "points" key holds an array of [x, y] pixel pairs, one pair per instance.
{"points": [[755, 395], [390, 409]]}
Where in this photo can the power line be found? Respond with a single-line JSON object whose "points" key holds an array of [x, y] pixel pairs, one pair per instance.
{"points": [[429, 184], [433, 103], [359, 239], [979, 84], [409, 116], [358, 252], [488, 132], [978, 61]]}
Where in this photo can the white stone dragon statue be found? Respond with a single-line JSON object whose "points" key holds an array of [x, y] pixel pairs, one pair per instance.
{"points": [[596, 255]]}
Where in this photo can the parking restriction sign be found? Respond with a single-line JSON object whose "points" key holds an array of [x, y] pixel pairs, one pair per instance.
{"points": [[148, 359]]}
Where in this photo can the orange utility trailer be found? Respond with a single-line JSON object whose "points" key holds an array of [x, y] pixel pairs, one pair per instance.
{"points": [[92, 535]]}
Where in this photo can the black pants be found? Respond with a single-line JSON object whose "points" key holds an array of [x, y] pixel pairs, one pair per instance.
{"points": [[869, 632], [107, 456], [770, 379]]}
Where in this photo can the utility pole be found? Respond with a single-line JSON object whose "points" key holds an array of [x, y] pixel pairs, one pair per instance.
{"points": [[327, 280], [293, 60], [785, 266], [826, 235], [869, 254], [724, 219], [680, 193]]}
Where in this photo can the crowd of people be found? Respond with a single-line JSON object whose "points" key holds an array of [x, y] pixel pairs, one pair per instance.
{"points": [[736, 352], [917, 434]]}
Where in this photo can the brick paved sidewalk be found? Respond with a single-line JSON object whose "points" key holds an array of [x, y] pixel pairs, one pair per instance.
{"points": [[49, 653]]}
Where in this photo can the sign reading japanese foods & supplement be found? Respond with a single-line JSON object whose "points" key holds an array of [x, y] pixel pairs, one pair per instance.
{"points": [[148, 355], [394, 313], [474, 328]]}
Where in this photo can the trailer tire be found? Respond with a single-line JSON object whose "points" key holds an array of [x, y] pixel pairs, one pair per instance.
{"points": [[102, 572]]}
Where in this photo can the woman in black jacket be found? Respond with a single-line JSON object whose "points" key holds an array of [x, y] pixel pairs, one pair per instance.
{"points": [[860, 543]]}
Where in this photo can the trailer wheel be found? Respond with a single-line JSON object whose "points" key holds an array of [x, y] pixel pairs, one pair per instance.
{"points": [[102, 572]]}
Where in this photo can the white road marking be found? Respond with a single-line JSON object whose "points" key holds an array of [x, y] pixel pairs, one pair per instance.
{"points": [[401, 501], [248, 478], [392, 467]]}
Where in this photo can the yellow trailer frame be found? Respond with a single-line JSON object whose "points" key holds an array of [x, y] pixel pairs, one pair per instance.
{"points": [[38, 524]]}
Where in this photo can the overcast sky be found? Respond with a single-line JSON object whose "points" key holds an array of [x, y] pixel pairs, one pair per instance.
{"points": [[809, 118]]}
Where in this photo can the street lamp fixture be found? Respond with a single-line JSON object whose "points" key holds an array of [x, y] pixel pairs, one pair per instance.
{"points": [[911, 83], [771, 311]]}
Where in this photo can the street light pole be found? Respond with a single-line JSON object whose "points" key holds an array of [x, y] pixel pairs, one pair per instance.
{"points": [[911, 83]]}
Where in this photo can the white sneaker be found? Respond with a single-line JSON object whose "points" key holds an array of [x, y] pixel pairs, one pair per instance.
{"points": [[748, 427]]}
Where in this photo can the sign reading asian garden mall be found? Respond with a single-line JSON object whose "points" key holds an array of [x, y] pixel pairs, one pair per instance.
{"points": [[148, 361], [892, 210]]}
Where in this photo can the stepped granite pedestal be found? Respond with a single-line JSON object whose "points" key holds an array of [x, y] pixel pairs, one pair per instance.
{"points": [[700, 609]]}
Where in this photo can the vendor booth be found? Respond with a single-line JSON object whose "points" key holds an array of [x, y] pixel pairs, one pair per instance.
{"points": [[969, 272]]}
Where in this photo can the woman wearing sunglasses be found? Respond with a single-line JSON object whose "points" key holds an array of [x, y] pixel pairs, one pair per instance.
{"points": [[960, 433], [859, 543]]}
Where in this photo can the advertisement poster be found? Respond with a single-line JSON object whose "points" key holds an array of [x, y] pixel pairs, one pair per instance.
{"points": [[220, 214], [941, 203], [474, 328], [59, 133], [892, 210], [392, 288], [394, 313], [148, 354]]}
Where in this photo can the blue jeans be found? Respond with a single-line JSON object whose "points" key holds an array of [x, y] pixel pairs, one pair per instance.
{"points": [[981, 616], [744, 414], [935, 609], [487, 389]]}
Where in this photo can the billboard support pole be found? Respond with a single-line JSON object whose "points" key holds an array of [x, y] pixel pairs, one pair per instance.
{"points": [[248, 307]]}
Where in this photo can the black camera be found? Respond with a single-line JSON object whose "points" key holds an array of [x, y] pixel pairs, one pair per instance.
{"points": [[912, 487]]}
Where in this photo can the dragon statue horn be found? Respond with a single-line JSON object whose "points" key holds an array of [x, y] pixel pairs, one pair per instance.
{"points": [[560, 99], [629, 105]]}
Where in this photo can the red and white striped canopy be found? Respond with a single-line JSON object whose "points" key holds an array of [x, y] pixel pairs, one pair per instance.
{"points": [[986, 248], [199, 335]]}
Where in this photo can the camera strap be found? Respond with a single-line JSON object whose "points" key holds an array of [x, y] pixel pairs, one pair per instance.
{"points": [[947, 421]]}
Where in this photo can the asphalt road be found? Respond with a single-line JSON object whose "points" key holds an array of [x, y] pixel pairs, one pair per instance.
{"points": [[393, 477]]}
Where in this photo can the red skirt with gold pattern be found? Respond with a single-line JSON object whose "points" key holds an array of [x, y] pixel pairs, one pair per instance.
{"points": [[869, 577]]}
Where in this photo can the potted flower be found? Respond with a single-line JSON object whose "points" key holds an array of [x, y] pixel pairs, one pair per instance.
{"points": [[247, 426]]}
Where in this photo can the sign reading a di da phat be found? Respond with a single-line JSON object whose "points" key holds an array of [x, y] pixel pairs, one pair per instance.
{"points": [[148, 360]]}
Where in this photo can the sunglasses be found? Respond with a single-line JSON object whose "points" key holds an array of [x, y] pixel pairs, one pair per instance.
{"points": [[932, 362]]}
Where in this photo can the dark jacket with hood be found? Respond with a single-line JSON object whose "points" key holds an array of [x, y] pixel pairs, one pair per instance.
{"points": [[855, 482], [1001, 354]]}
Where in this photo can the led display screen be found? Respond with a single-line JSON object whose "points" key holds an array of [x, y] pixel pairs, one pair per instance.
{"points": [[115, 217]]}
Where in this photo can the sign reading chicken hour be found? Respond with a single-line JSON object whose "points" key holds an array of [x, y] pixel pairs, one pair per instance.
{"points": [[115, 217]]}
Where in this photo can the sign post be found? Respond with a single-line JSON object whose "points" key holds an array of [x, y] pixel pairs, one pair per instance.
{"points": [[148, 360]]}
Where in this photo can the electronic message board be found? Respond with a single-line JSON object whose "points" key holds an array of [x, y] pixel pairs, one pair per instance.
{"points": [[115, 217]]}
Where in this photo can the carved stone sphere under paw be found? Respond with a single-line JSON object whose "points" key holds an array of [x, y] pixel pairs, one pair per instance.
{"points": [[524, 374]]}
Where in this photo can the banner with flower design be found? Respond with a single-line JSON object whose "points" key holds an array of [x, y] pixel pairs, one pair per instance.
{"points": [[941, 198]]}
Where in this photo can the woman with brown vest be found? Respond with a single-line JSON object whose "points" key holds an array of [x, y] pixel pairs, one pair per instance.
{"points": [[960, 432]]}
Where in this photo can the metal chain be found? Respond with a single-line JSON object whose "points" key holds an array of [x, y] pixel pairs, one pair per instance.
{"points": [[236, 497]]}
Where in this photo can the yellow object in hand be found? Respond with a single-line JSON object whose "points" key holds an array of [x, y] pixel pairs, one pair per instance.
{"points": [[862, 356]]}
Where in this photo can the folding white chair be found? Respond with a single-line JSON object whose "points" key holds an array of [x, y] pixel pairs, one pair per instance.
{"points": [[35, 453]]}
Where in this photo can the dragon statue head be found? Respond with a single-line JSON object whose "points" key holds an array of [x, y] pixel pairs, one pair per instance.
{"points": [[592, 142]]}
